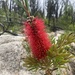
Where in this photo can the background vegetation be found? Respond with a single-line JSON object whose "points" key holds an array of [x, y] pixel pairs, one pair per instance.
{"points": [[57, 14]]}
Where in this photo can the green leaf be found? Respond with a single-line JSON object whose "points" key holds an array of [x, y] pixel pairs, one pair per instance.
{"points": [[57, 55], [27, 5], [31, 63], [18, 3], [26, 46]]}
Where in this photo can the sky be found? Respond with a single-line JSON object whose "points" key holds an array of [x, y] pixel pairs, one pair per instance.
{"points": [[41, 4], [72, 2]]}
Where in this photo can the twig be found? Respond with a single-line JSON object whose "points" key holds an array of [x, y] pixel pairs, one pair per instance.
{"points": [[54, 69], [28, 13]]}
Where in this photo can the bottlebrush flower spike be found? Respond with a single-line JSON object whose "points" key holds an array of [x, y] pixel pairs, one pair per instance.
{"points": [[37, 38]]}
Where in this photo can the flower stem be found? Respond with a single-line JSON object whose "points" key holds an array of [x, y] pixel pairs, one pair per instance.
{"points": [[48, 72]]}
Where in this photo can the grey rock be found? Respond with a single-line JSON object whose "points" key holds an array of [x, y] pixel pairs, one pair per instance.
{"points": [[11, 51]]}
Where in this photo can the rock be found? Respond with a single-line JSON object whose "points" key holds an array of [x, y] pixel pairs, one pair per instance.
{"points": [[72, 50], [11, 50]]}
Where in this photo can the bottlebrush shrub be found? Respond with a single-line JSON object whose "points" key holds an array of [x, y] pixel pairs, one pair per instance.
{"points": [[37, 38], [44, 54]]}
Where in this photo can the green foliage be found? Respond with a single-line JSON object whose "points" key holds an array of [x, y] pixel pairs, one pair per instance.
{"points": [[16, 11], [71, 27], [64, 22], [16, 28], [27, 5], [46, 21], [56, 57], [11, 15], [26, 46], [18, 3], [21, 10]]}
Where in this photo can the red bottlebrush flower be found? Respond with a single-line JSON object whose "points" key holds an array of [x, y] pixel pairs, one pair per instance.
{"points": [[37, 38]]}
